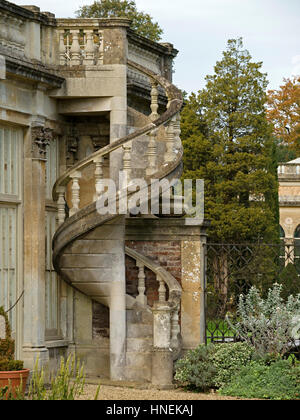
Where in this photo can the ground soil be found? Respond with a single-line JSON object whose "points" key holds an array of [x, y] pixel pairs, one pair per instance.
{"points": [[108, 393]]}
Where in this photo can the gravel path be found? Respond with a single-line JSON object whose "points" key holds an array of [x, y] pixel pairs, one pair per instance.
{"points": [[109, 393]]}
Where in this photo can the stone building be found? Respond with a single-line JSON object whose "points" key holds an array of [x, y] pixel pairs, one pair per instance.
{"points": [[289, 200], [80, 100]]}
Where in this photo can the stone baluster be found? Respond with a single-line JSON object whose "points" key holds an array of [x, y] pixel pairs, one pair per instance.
{"points": [[169, 154], [152, 154], [75, 48], [177, 131], [127, 159], [162, 290], [98, 177], [75, 192], [89, 48], [141, 298], [61, 205], [154, 100], [175, 328], [62, 48]]}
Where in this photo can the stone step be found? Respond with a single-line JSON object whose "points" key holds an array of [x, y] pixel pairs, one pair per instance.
{"points": [[139, 344], [139, 330]]}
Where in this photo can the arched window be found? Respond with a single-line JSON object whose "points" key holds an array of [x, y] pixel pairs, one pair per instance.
{"points": [[297, 247], [282, 233], [297, 233]]}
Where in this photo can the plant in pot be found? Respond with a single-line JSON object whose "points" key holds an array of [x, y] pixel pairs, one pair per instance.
{"points": [[13, 376]]}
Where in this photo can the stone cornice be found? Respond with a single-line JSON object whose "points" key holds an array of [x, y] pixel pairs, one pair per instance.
{"points": [[25, 13], [93, 22], [33, 72], [147, 44]]}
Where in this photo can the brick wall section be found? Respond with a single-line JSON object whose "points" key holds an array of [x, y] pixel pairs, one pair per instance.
{"points": [[100, 320], [166, 253]]}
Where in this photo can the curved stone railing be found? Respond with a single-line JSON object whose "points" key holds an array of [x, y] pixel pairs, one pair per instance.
{"points": [[83, 219], [164, 279]]}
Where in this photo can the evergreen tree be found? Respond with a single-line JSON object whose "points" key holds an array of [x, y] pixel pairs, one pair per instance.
{"points": [[142, 22], [228, 142]]}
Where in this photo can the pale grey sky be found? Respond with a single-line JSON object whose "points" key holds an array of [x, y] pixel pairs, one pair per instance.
{"points": [[199, 29]]}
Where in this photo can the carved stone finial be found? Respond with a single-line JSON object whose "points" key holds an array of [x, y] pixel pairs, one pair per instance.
{"points": [[41, 138]]}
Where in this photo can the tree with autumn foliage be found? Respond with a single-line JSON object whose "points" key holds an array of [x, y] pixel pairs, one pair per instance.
{"points": [[284, 113], [142, 22], [228, 142]]}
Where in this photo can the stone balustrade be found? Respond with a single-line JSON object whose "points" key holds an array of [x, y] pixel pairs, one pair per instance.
{"points": [[289, 170], [80, 45], [12, 34]]}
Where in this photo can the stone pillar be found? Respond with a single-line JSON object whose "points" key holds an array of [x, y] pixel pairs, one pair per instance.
{"points": [[193, 291], [117, 305], [162, 356], [36, 141]]}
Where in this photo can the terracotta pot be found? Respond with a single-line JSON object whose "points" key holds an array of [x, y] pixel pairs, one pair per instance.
{"points": [[14, 379]]}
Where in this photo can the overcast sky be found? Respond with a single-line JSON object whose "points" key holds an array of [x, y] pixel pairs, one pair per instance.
{"points": [[199, 29]]}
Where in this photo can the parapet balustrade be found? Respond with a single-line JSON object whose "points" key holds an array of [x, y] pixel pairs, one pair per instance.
{"points": [[80, 46], [12, 34], [289, 170]]}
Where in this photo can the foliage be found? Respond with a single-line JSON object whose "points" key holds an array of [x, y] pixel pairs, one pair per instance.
{"points": [[7, 348], [196, 370], [267, 324], [284, 112], [228, 142], [142, 22], [67, 384], [228, 358], [7, 365], [289, 280], [278, 381], [213, 365]]}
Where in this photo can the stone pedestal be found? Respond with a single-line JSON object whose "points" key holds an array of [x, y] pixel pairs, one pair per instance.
{"points": [[162, 368], [162, 357]]}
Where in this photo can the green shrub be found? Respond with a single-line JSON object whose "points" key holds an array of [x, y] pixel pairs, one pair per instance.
{"points": [[7, 365], [7, 349], [228, 359], [278, 381], [212, 366], [195, 370]]}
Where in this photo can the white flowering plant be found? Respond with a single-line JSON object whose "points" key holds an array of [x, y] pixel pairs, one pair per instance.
{"points": [[271, 325]]}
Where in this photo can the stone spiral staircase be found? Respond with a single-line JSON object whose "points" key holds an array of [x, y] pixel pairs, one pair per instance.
{"points": [[89, 247]]}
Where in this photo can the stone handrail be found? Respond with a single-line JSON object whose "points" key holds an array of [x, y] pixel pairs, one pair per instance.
{"points": [[175, 105], [163, 275]]}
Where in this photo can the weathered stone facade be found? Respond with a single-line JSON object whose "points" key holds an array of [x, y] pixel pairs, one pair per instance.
{"points": [[81, 99], [289, 199]]}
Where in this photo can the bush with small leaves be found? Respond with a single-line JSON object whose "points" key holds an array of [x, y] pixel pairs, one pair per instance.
{"points": [[195, 370], [267, 324], [277, 381], [228, 359]]}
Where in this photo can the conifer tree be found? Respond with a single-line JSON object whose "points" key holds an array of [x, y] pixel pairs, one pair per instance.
{"points": [[228, 142]]}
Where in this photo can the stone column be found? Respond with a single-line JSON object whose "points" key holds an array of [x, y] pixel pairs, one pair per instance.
{"points": [[193, 291], [117, 305], [36, 141], [162, 357]]}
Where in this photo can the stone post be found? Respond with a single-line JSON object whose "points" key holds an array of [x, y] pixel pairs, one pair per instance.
{"points": [[34, 245], [162, 356], [193, 290]]}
